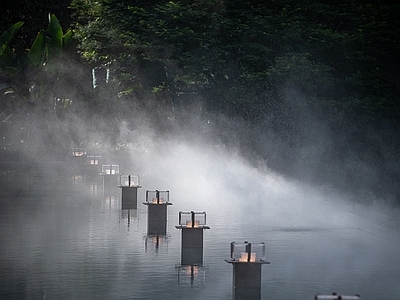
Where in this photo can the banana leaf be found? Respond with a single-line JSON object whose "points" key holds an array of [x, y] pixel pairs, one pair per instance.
{"points": [[67, 38], [37, 53], [55, 38], [8, 35]]}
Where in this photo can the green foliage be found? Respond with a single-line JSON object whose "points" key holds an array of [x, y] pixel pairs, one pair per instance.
{"points": [[7, 36], [37, 53], [35, 73], [325, 51]]}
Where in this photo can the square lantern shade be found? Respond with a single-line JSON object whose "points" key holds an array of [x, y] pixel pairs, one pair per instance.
{"points": [[192, 219], [78, 152], [110, 169], [129, 181], [157, 197], [247, 252], [93, 159]]}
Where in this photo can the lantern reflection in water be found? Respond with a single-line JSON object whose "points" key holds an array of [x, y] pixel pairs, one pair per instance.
{"points": [[191, 275], [93, 190], [111, 202], [78, 180], [155, 242]]}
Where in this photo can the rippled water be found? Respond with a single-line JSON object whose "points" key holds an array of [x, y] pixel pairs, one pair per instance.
{"points": [[63, 237]]}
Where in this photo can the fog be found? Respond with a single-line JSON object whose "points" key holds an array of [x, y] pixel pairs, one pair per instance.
{"points": [[210, 164], [208, 158]]}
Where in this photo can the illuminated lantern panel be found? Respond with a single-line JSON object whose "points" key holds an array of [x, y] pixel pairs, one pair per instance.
{"points": [[157, 197], [78, 152], [129, 181], [192, 219], [93, 159], [247, 252], [110, 169]]}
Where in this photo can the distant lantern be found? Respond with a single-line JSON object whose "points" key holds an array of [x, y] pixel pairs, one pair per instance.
{"points": [[157, 203], [110, 175], [79, 158], [192, 225], [110, 169], [93, 159], [78, 152], [129, 185], [92, 166], [247, 259]]}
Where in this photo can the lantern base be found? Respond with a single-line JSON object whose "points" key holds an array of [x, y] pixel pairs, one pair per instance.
{"points": [[129, 197], [191, 256]]}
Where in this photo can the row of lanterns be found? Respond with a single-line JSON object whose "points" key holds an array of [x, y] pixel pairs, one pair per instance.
{"points": [[246, 258]]}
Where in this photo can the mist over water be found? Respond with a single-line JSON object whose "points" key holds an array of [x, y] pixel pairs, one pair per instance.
{"points": [[319, 240]]}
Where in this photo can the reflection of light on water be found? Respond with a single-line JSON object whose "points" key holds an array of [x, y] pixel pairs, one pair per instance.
{"points": [[111, 202], [191, 274], [78, 180], [93, 189], [155, 241], [130, 215]]}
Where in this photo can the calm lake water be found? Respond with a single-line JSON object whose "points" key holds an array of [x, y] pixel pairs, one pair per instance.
{"points": [[65, 237]]}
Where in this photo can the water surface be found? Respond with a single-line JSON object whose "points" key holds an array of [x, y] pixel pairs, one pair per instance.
{"points": [[64, 237]]}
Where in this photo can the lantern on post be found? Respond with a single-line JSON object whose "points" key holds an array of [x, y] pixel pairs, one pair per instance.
{"points": [[247, 259], [192, 224], [157, 203], [110, 175], [129, 185], [92, 165]]}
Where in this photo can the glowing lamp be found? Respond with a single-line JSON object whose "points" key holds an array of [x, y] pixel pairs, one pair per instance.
{"points": [[129, 185], [129, 181], [93, 159], [247, 259], [247, 252], [157, 200], [157, 197], [192, 219], [78, 152], [157, 203], [192, 224], [110, 169]]}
